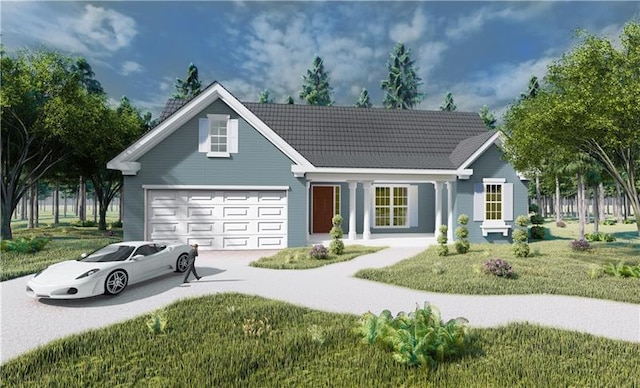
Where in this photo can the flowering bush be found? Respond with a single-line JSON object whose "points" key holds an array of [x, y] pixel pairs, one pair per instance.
{"points": [[580, 245], [498, 267], [319, 252]]}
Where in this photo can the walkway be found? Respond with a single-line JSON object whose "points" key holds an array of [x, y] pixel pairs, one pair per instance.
{"points": [[28, 323]]}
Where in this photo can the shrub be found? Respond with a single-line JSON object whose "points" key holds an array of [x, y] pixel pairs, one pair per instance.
{"points": [[519, 235], [580, 245], [498, 267], [610, 222], [443, 249], [462, 232], [522, 221], [537, 219], [25, 244], [85, 224], [538, 232], [520, 246], [521, 249], [622, 270], [593, 237], [336, 246], [533, 208], [319, 252], [417, 339], [628, 221], [462, 244], [116, 224]]}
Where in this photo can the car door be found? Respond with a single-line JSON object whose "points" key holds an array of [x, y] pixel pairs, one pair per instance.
{"points": [[146, 263]]}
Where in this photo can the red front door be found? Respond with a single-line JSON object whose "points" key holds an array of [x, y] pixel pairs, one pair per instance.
{"points": [[322, 208]]}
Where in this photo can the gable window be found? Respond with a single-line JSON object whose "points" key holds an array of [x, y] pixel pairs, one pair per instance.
{"points": [[218, 136], [391, 206], [493, 205]]}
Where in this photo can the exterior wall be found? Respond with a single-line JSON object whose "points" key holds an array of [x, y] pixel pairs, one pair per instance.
{"points": [[489, 165], [176, 161]]}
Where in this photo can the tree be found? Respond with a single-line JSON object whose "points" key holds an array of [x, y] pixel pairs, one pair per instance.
{"points": [[488, 118], [363, 100], [315, 86], [86, 74], [190, 87], [532, 89], [449, 105], [289, 100], [401, 89], [39, 101], [264, 97], [590, 105]]}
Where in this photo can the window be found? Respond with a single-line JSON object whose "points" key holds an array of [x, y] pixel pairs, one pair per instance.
{"points": [[218, 135], [391, 206], [493, 205]]}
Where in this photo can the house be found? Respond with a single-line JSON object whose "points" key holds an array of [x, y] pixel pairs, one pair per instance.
{"points": [[231, 175]]}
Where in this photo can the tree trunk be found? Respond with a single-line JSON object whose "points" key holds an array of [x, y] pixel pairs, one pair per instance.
{"points": [[601, 201], [65, 203], [596, 209], [23, 208], [82, 199], [95, 208], [32, 198], [617, 208], [56, 203], [538, 195], [36, 218], [558, 201], [5, 222], [581, 207]]}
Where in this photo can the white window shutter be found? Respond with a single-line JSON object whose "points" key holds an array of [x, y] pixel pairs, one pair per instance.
{"points": [[507, 202], [414, 214], [232, 133], [204, 140], [478, 202]]}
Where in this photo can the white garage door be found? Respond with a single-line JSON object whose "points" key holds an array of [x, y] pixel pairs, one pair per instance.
{"points": [[218, 219]]}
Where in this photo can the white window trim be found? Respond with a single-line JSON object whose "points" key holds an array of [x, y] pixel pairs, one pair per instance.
{"points": [[231, 137], [494, 226], [407, 225]]}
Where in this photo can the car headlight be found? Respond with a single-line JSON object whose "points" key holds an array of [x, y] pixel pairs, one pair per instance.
{"points": [[88, 273]]}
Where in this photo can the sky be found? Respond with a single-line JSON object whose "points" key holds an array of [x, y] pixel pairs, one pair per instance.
{"points": [[484, 53]]}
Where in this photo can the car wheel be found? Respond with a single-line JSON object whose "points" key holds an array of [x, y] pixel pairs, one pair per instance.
{"points": [[116, 282], [182, 264]]}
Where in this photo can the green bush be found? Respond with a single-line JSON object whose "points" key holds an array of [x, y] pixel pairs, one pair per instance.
{"points": [[417, 339], [116, 224], [629, 221], [519, 235], [336, 246], [520, 246], [612, 221], [85, 224], [25, 244], [533, 208], [537, 219], [462, 232], [443, 249], [594, 237], [462, 246], [538, 232], [521, 249], [522, 221], [622, 270]]}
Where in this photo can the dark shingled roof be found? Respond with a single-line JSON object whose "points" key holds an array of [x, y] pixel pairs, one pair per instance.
{"points": [[376, 137], [352, 137]]}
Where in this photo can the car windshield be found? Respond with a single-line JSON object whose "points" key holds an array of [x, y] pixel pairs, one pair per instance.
{"points": [[110, 253]]}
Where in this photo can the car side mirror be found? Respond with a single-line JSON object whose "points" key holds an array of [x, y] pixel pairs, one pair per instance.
{"points": [[137, 257]]}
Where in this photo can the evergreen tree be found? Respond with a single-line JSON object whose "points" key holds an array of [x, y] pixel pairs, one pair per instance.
{"points": [[363, 100], [401, 89], [83, 70], [449, 105], [488, 118], [264, 97], [315, 87], [289, 100], [532, 89], [190, 87]]}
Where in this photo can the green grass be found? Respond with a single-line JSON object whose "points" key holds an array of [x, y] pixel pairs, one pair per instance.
{"points": [[552, 268], [67, 243], [206, 345], [298, 258]]}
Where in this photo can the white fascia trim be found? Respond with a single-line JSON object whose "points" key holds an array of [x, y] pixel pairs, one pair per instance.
{"points": [[215, 187], [465, 173], [494, 180], [480, 151], [381, 171], [127, 168]]}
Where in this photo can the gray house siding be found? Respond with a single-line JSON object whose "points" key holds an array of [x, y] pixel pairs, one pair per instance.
{"points": [[176, 161], [489, 165]]}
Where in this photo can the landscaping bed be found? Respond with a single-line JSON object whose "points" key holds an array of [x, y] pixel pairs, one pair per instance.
{"points": [[300, 258]]}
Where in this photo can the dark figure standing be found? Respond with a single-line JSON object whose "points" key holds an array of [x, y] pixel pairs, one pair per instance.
{"points": [[192, 263]]}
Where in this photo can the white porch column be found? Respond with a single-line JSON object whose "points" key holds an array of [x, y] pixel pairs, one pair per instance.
{"points": [[352, 210], [366, 231], [450, 210], [438, 187]]}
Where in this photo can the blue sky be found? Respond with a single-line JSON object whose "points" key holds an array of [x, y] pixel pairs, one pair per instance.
{"points": [[482, 52]]}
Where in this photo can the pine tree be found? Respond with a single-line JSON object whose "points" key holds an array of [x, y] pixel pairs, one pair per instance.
{"points": [[488, 118], [289, 100], [363, 100], [449, 105], [532, 89], [401, 89], [315, 87], [190, 87], [264, 97]]}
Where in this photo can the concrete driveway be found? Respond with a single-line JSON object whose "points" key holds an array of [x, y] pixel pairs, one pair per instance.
{"points": [[28, 323]]}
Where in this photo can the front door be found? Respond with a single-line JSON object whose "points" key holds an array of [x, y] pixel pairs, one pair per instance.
{"points": [[323, 210]]}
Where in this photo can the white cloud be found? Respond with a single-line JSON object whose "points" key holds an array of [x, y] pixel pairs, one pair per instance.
{"points": [[130, 67], [409, 32]]}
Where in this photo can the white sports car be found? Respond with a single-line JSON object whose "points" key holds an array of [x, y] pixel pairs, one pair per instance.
{"points": [[108, 270]]}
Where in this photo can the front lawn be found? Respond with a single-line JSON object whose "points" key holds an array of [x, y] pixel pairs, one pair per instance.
{"points": [[299, 258], [552, 268], [230, 340], [66, 243]]}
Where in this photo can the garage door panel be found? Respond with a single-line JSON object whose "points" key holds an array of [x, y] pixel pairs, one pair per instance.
{"points": [[219, 219]]}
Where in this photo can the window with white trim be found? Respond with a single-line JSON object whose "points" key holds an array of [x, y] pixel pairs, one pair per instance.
{"points": [[493, 205], [218, 135], [391, 206]]}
